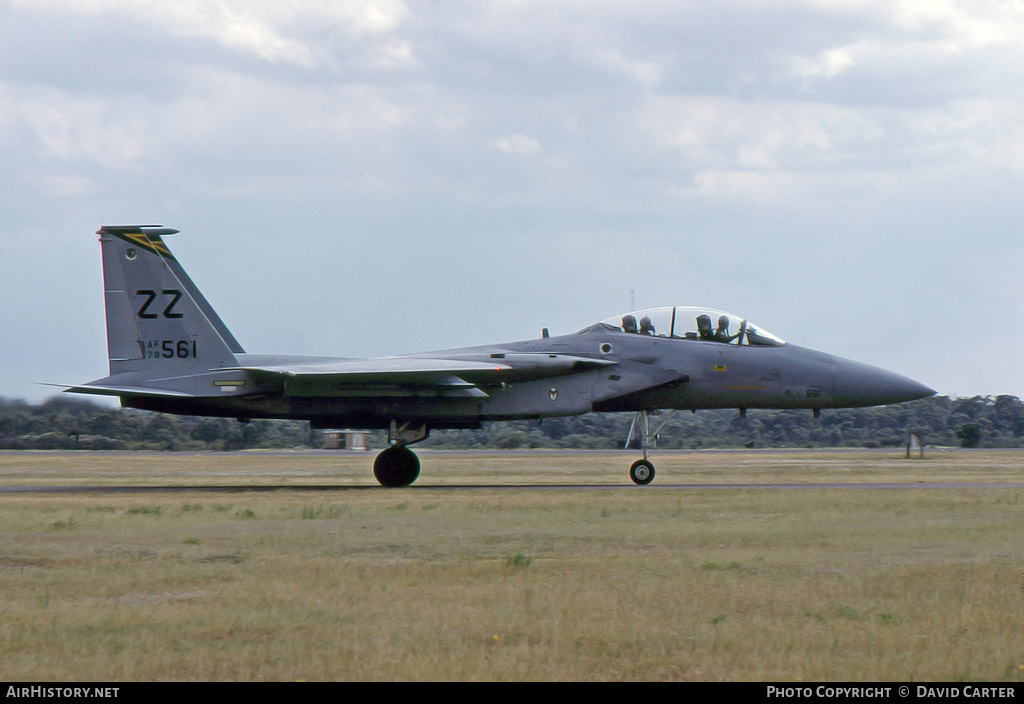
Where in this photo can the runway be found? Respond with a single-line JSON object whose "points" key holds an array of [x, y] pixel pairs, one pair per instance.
{"points": [[341, 488]]}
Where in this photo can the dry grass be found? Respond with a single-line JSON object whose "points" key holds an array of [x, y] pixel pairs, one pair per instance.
{"points": [[510, 583]]}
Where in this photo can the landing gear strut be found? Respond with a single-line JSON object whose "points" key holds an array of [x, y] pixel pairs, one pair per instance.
{"points": [[398, 465], [642, 471]]}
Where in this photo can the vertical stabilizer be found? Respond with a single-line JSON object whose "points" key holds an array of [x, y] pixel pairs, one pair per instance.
{"points": [[159, 325]]}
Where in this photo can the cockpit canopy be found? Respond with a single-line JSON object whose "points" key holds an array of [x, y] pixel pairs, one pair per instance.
{"points": [[688, 323]]}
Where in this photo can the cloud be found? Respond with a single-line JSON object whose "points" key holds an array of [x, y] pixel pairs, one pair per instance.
{"points": [[517, 144], [783, 159]]}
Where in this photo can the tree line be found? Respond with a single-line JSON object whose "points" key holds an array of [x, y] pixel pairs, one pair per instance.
{"points": [[980, 421]]}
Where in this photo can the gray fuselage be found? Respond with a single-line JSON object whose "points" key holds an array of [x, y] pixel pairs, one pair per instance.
{"points": [[643, 372]]}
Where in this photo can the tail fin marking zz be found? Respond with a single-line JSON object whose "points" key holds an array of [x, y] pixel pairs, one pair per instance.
{"points": [[159, 324]]}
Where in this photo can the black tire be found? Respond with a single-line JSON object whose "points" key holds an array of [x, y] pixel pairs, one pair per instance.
{"points": [[396, 466], [641, 472]]}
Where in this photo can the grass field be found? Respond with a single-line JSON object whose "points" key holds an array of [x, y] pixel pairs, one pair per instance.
{"points": [[468, 576]]}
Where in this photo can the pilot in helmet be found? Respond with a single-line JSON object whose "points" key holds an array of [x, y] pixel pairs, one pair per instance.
{"points": [[704, 330], [629, 323], [646, 326], [722, 333]]}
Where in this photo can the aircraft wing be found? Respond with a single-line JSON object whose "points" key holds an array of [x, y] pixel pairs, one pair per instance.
{"points": [[468, 375]]}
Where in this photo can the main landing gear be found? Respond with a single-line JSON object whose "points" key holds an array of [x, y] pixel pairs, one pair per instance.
{"points": [[398, 465], [642, 471]]}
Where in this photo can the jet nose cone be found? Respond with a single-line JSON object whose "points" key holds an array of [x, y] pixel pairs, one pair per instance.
{"points": [[856, 384]]}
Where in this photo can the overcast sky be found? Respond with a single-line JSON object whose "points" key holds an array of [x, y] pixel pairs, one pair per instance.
{"points": [[372, 177]]}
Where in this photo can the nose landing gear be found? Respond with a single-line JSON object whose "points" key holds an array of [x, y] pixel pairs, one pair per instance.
{"points": [[642, 471]]}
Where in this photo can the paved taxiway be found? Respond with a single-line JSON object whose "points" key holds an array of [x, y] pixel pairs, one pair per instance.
{"points": [[221, 488]]}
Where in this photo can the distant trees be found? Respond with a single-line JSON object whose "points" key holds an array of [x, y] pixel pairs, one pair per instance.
{"points": [[980, 421], [938, 420], [67, 423], [970, 435]]}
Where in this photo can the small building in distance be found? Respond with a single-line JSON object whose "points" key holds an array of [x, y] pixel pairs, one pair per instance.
{"points": [[356, 440], [915, 443]]}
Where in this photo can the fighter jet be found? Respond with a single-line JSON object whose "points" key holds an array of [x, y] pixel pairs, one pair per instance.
{"points": [[170, 352]]}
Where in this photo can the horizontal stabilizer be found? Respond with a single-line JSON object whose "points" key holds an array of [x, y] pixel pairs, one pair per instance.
{"points": [[123, 391]]}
